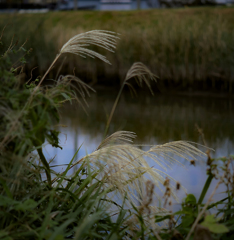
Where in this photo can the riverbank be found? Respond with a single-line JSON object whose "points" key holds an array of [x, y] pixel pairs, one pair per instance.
{"points": [[189, 48]]}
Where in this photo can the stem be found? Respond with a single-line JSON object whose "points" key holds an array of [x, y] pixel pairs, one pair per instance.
{"points": [[113, 109], [58, 55], [204, 208], [46, 165], [205, 188]]}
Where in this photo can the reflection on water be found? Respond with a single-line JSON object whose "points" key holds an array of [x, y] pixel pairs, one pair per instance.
{"points": [[155, 120]]}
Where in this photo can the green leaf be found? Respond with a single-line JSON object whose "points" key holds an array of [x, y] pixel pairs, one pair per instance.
{"points": [[7, 190], [187, 221], [179, 212], [191, 199], [215, 227], [210, 219], [66, 97], [6, 201], [3, 233], [59, 237], [188, 210], [23, 60], [162, 218], [210, 223], [26, 205], [205, 188]]}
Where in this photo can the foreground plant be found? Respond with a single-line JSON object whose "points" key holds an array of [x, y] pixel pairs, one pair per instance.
{"points": [[141, 74], [31, 207], [124, 168], [79, 43], [201, 218]]}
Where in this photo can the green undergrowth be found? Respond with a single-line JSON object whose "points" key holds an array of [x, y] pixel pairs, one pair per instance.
{"points": [[35, 201], [39, 203]]}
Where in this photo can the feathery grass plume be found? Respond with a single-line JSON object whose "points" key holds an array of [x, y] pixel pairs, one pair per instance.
{"points": [[70, 82], [142, 74], [79, 43], [124, 169], [123, 137]]}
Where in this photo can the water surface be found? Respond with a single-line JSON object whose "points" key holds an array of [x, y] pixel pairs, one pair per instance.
{"points": [[156, 120]]}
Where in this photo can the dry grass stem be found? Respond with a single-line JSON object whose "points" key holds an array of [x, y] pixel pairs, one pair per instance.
{"points": [[142, 74]]}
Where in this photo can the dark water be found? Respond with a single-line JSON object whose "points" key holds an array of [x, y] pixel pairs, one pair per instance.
{"points": [[155, 120]]}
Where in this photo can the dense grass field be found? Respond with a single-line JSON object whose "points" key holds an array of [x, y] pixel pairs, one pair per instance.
{"points": [[188, 48]]}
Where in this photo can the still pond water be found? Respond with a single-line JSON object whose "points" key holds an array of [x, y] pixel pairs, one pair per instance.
{"points": [[155, 120]]}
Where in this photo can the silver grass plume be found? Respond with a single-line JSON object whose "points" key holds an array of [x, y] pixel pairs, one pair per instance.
{"points": [[124, 170], [141, 74], [119, 137], [81, 89], [79, 43]]}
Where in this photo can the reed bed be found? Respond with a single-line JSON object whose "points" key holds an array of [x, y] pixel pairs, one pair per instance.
{"points": [[189, 49]]}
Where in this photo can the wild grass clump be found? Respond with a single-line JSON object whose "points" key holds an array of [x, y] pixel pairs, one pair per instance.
{"points": [[111, 193]]}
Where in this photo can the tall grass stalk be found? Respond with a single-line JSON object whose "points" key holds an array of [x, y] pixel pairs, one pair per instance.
{"points": [[79, 43], [142, 75]]}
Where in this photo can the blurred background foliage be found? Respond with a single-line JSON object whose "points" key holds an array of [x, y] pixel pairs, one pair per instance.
{"points": [[189, 48]]}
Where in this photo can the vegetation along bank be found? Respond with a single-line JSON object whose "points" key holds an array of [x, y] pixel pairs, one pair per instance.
{"points": [[188, 49]]}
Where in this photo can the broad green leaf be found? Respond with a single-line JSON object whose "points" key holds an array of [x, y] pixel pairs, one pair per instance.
{"points": [[187, 221], [215, 227], [210, 219], [210, 223], [191, 199]]}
